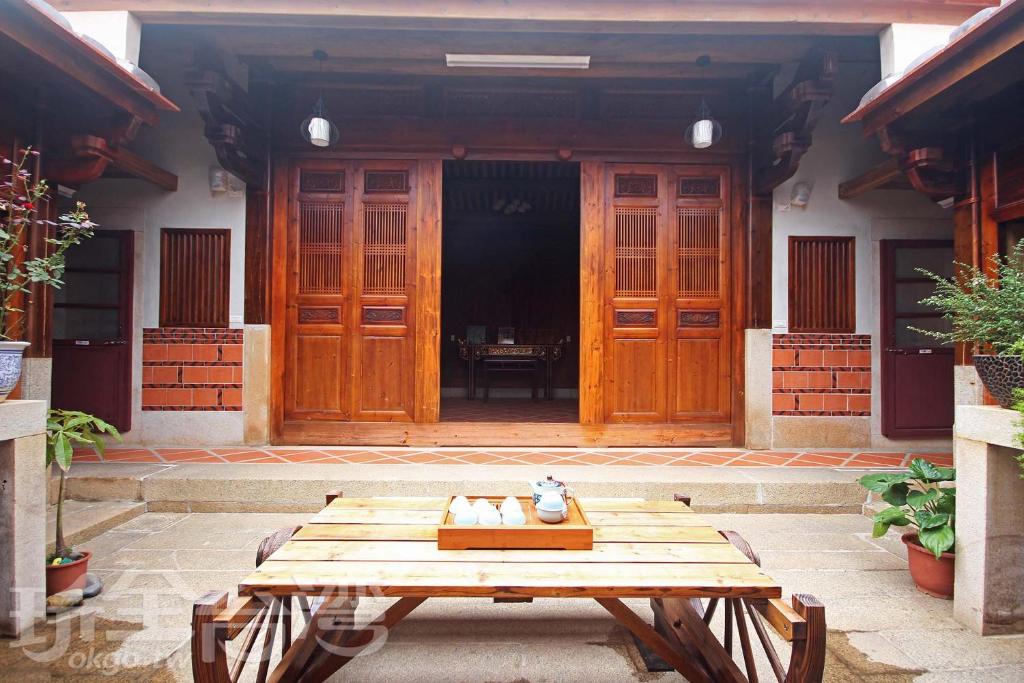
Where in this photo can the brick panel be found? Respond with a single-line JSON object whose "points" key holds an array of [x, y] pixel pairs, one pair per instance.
{"points": [[821, 375], [186, 368]]}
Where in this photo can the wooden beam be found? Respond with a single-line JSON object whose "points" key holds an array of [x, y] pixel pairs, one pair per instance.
{"points": [[124, 160], [886, 175], [872, 12]]}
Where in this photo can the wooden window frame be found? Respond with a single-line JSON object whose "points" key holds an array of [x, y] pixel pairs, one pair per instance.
{"points": [[166, 307], [848, 304]]}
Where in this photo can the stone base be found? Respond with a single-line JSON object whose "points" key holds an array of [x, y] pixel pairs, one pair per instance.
{"points": [[22, 514], [989, 521], [757, 396], [797, 431], [256, 385]]}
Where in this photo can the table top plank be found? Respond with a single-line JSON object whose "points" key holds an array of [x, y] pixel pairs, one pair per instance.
{"points": [[415, 532], [540, 579], [438, 503], [614, 518], [427, 551]]}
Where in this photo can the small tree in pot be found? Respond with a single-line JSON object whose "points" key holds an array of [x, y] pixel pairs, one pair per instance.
{"points": [[989, 311], [918, 499], [65, 429], [21, 198]]}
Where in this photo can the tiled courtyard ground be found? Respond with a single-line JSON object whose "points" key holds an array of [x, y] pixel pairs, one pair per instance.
{"points": [[881, 628], [685, 457]]}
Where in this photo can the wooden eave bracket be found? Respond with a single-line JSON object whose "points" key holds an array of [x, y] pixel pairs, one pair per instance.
{"points": [[930, 172], [231, 128], [794, 115]]}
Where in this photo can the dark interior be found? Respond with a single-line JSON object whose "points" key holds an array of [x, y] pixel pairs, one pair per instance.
{"points": [[510, 259]]}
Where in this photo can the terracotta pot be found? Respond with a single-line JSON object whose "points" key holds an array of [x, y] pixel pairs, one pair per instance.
{"points": [[1001, 375], [934, 577], [10, 366], [67, 576]]}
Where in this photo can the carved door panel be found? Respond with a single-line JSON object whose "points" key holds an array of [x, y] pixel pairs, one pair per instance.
{"points": [[700, 387], [320, 260], [351, 346], [383, 352], [666, 320]]}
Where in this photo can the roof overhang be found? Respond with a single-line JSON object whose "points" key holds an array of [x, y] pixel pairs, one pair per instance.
{"points": [[55, 47], [966, 70]]}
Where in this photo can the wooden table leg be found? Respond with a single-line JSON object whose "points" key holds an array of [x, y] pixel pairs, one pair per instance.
{"points": [[329, 659], [323, 627], [472, 378], [692, 671], [548, 391]]}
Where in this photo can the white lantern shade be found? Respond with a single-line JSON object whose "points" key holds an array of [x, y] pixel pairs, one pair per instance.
{"points": [[319, 131], [703, 133]]}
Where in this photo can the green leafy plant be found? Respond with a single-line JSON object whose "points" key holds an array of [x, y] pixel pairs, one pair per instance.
{"points": [[21, 199], [982, 308], [917, 499], [66, 429]]}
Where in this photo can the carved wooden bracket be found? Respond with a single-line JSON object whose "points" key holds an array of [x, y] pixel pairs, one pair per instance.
{"points": [[92, 155], [786, 136], [930, 172], [231, 127]]}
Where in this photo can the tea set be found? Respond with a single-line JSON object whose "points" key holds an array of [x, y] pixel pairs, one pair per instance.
{"points": [[549, 499]]}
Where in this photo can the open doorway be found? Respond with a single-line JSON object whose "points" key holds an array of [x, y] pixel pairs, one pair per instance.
{"points": [[510, 292]]}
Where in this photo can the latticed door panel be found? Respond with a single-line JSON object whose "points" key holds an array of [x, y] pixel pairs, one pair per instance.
{"points": [[635, 360], [701, 384], [384, 353], [317, 347]]}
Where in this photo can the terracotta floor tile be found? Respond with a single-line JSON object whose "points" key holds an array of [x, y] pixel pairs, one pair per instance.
{"points": [[183, 456], [127, 457], [815, 460], [766, 458], [709, 458], [591, 459], [250, 456], [304, 456]]}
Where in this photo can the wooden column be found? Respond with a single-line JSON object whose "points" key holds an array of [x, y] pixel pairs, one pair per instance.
{"points": [[591, 294], [759, 262], [427, 394], [258, 207]]}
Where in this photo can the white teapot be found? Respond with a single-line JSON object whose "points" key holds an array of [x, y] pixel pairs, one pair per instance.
{"points": [[551, 508], [549, 485]]}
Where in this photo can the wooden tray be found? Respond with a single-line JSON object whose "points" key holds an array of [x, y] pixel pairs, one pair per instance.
{"points": [[575, 533]]}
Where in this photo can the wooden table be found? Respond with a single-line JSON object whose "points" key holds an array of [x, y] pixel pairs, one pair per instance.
{"points": [[388, 547], [545, 353]]}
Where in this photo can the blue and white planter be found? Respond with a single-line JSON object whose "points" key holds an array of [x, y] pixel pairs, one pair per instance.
{"points": [[10, 366]]}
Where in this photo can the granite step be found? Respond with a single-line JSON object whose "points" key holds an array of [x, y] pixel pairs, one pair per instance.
{"points": [[85, 520], [300, 488]]}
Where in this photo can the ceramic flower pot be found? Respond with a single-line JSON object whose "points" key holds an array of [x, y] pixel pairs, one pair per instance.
{"points": [[931, 576], [65, 577], [1001, 375], [10, 366]]}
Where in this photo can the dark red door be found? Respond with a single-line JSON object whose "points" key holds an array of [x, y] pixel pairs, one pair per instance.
{"points": [[92, 329], [917, 373]]}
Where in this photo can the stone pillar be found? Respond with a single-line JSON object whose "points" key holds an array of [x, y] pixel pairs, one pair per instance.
{"points": [[757, 395], [22, 514], [989, 521], [256, 384]]}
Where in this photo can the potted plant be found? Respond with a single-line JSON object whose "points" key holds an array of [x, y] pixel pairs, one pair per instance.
{"points": [[918, 499], [20, 200], [987, 310], [66, 567]]}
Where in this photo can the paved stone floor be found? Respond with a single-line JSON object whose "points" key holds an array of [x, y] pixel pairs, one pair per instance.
{"points": [[881, 628], [685, 457]]}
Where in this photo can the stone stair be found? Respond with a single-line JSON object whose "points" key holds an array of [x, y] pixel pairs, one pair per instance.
{"points": [[261, 487]]}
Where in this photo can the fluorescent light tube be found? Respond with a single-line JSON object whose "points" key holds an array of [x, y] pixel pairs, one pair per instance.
{"points": [[518, 61]]}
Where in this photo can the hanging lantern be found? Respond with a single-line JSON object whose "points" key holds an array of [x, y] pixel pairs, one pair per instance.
{"points": [[705, 130], [317, 129]]}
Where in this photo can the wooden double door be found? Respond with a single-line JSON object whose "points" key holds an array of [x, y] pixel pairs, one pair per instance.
{"points": [[362, 291], [360, 273], [666, 326]]}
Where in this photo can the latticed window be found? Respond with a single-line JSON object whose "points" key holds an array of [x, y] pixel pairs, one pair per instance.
{"points": [[821, 284]]}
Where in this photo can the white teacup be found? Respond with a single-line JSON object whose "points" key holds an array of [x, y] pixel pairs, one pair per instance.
{"points": [[466, 516]]}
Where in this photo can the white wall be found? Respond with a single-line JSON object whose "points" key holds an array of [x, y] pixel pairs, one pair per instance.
{"points": [[178, 145], [839, 153]]}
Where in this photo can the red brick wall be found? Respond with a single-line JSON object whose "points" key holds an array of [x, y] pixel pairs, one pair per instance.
{"points": [[191, 369], [821, 374]]}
